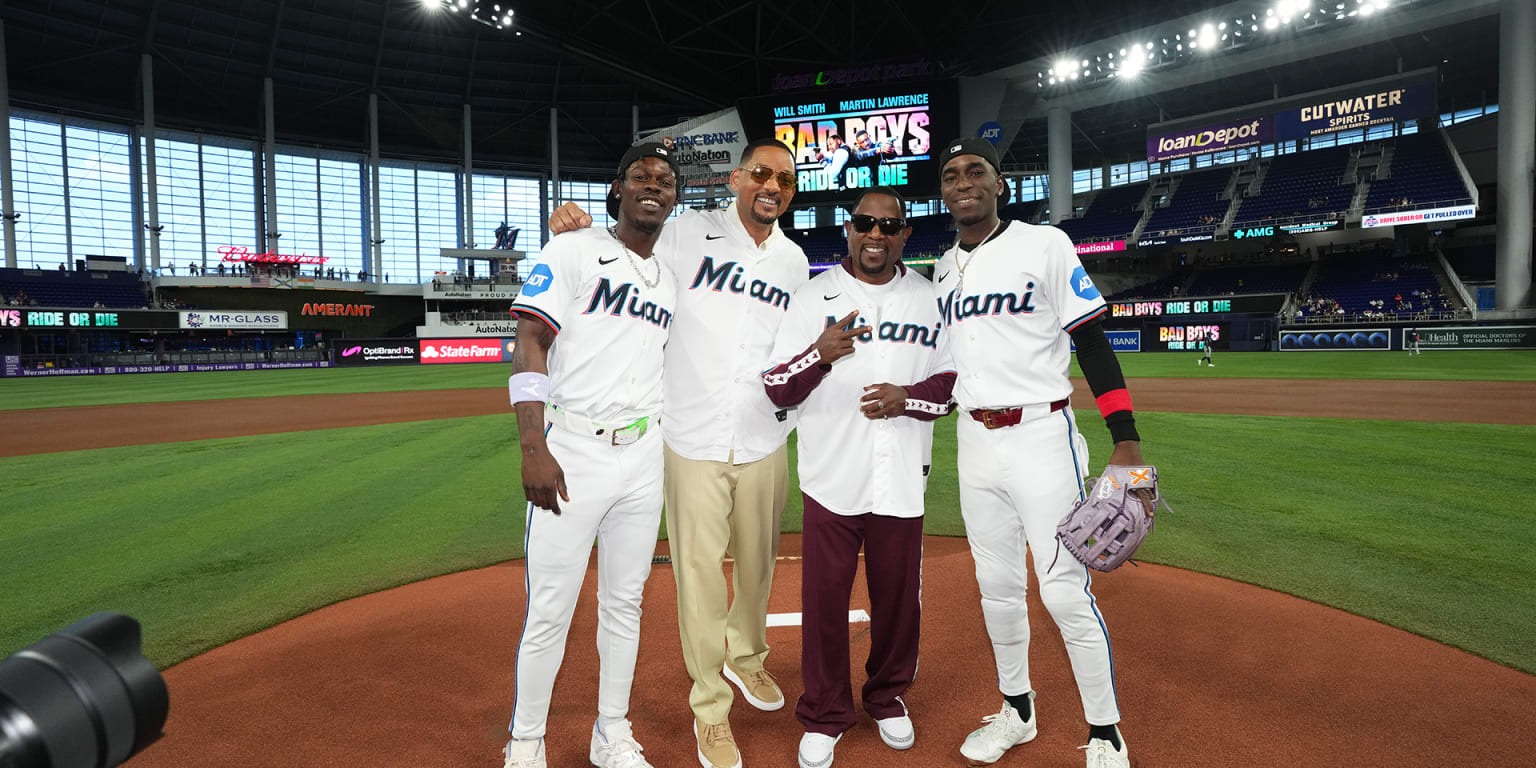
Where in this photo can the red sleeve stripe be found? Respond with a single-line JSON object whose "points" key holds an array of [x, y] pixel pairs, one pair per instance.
{"points": [[522, 310], [1072, 326], [1114, 401]]}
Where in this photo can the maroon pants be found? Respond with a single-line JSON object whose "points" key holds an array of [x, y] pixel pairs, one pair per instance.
{"points": [[893, 553]]}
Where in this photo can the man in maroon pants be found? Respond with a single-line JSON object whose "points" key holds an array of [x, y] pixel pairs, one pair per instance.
{"points": [[865, 448]]}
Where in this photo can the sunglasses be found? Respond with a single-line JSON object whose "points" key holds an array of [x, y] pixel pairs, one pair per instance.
{"points": [[863, 223], [762, 173]]}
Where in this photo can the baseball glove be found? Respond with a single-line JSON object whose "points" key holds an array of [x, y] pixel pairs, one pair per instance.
{"points": [[1106, 527]]}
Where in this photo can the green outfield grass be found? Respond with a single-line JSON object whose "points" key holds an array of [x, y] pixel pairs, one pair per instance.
{"points": [[64, 391], [1409, 523]]}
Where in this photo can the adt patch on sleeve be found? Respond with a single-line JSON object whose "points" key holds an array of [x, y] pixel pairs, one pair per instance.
{"points": [[541, 278], [1083, 286]]}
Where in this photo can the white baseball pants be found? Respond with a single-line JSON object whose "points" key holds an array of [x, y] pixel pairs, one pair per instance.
{"points": [[1016, 484], [616, 499]]}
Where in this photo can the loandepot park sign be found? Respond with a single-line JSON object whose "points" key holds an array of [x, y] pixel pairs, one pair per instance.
{"points": [[1375, 102]]}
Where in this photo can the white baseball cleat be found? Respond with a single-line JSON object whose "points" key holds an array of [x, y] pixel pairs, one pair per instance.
{"points": [[1102, 754], [1002, 732], [615, 747], [523, 754]]}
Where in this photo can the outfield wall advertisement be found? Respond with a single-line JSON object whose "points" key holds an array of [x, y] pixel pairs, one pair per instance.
{"points": [[1475, 337], [1356, 339], [12, 367]]}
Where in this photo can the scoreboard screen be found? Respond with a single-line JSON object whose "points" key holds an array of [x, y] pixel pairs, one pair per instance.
{"points": [[1179, 337], [1214, 305]]}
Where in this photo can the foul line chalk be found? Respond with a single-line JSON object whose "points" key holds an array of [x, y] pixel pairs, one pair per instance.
{"points": [[855, 616]]}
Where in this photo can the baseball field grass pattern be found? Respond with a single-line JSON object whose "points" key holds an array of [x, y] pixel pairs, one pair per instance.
{"points": [[210, 540]]}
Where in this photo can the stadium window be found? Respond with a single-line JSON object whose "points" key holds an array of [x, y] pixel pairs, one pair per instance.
{"points": [[298, 206], [100, 192], [1139, 171], [418, 216], [1203, 161], [341, 213], [1181, 164], [37, 149], [437, 220], [805, 218], [397, 221], [229, 197], [1354, 136], [513, 199], [1376, 132], [179, 199], [1085, 180]]}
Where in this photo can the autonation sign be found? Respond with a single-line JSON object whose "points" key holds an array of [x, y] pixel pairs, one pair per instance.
{"points": [[1249, 132]]}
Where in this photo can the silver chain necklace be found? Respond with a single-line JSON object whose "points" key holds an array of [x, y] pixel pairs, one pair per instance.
{"points": [[629, 252], [961, 265]]}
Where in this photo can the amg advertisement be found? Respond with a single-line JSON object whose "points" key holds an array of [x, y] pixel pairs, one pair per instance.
{"points": [[860, 138]]}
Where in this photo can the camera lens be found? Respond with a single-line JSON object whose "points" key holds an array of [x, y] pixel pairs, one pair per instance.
{"points": [[84, 697]]}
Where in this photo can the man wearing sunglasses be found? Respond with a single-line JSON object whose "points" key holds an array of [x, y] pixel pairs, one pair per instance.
{"points": [[727, 475], [1012, 296], [865, 448]]}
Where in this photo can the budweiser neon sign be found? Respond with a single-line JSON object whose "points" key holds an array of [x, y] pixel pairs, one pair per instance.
{"points": [[242, 253]]}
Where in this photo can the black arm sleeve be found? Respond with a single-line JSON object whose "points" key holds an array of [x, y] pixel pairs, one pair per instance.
{"points": [[1102, 370]]}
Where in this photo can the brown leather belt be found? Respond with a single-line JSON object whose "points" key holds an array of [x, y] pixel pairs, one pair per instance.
{"points": [[997, 418]]}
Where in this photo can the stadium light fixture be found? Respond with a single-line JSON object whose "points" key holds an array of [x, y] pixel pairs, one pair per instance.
{"points": [[490, 14], [1131, 66]]}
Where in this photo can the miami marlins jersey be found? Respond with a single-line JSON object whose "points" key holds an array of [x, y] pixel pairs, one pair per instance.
{"points": [[611, 328], [732, 296], [853, 465], [1023, 291]]}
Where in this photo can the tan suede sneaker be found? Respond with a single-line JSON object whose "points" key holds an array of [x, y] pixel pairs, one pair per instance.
{"points": [[758, 688], [717, 747]]}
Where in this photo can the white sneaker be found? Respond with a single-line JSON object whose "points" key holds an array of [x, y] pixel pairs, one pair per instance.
{"points": [[816, 749], [1002, 732], [524, 754], [615, 747], [897, 731], [1102, 754]]}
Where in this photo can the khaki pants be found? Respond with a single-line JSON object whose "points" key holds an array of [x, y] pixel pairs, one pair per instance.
{"points": [[714, 510]]}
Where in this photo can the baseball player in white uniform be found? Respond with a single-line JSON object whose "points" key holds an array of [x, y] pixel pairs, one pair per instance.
{"points": [[865, 449], [1011, 295], [727, 471], [593, 318]]}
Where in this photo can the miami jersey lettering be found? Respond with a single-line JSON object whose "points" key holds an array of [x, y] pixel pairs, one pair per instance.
{"points": [[730, 277], [909, 333], [606, 298]]}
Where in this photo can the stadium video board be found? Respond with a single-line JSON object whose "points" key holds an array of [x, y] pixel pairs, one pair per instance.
{"points": [[850, 139], [1267, 303]]}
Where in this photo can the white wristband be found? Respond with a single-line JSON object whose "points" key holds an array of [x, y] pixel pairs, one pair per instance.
{"points": [[528, 387]]}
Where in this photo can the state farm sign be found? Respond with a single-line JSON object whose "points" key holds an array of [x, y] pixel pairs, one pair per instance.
{"points": [[437, 351]]}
